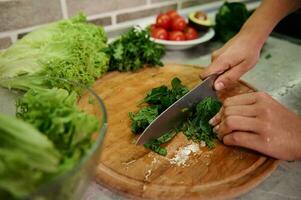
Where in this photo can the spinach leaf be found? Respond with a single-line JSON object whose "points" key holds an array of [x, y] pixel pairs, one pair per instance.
{"points": [[158, 99], [155, 144], [143, 118], [196, 127]]}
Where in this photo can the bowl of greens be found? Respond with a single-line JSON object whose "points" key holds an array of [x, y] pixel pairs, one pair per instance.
{"points": [[50, 138]]}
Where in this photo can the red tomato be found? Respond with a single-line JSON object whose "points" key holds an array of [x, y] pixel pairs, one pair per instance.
{"points": [[176, 35], [178, 24], [190, 33], [164, 21], [152, 27], [159, 33], [172, 14]]}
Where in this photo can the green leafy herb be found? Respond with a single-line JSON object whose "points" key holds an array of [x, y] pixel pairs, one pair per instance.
{"points": [[133, 50], [164, 97], [268, 56], [54, 113], [142, 118], [196, 127], [155, 144], [26, 158], [229, 19], [158, 100], [69, 49]]}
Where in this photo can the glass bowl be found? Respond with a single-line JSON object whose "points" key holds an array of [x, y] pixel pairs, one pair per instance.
{"points": [[70, 184]]}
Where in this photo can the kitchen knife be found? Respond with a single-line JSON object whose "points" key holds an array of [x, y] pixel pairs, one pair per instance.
{"points": [[172, 117]]}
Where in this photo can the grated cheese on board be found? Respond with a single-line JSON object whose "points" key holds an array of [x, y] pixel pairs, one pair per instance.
{"points": [[183, 153]]}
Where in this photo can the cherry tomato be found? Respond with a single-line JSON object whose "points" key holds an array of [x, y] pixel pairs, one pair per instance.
{"points": [[176, 35], [178, 24], [164, 21], [172, 14], [152, 27], [190, 33], [159, 33]]}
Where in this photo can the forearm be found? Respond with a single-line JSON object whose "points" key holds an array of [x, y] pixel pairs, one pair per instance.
{"points": [[266, 17]]}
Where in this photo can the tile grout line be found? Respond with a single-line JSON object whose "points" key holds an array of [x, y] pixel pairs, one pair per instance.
{"points": [[14, 37], [133, 9], [179, 4], [64, 9], [114, 19]]}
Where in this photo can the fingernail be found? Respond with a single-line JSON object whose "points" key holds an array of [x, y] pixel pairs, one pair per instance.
{"points": [[211, 121], [219, 86], [215, 129]]}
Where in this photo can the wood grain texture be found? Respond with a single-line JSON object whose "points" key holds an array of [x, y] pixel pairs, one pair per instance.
{"points": [[221, 173]]}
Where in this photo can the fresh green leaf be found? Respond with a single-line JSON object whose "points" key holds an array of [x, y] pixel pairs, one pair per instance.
{"points": [[196, 127], [69, 49], [134, 50], [142, 118], [54, 113], [155, 144], [26, 157]]}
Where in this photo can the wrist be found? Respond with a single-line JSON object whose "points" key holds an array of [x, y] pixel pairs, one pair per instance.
{"points": [[252, 37]]}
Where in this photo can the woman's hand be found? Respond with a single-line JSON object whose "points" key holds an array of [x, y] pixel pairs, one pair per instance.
{"points": [[234, 59], [257, 121]]}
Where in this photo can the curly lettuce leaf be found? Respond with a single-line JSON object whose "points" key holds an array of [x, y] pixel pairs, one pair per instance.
{"points": [[68, 49], [54, 112], [26, 156]]}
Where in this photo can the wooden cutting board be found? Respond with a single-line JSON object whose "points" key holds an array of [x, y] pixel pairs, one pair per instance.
{"points": [[221, 173]]}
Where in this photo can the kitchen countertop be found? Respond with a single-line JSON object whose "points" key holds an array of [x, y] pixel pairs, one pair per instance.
{"points": [[280, 76]]}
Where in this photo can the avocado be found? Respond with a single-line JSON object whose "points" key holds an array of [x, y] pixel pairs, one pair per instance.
{"points": [[199, 20]]}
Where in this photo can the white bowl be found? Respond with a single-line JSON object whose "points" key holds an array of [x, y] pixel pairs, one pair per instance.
{"points": [[181, 45]]}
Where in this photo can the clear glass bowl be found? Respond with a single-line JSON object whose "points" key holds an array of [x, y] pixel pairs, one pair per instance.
{"points": [[73, 183]]}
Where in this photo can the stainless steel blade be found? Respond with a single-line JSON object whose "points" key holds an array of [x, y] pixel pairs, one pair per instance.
{"points": [[172, 117]]}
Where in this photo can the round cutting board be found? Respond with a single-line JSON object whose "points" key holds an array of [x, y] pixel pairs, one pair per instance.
{"points": [[220, 173]]}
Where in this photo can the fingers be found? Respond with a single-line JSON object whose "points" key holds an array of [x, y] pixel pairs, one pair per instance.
{"points": [[231, 76], [239, 105], [244, 110], [238, 123], [241, 110], [244, 139], [216, 119], [242, 99]]}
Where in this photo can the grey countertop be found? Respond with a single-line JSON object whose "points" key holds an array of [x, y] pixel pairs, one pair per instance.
{"points": [[280, 76]]}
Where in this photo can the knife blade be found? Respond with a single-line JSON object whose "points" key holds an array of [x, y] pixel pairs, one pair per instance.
{"points": [[172, 117]]}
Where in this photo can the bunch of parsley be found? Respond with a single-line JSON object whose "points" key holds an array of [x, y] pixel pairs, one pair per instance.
{"points": [[133, 50]]}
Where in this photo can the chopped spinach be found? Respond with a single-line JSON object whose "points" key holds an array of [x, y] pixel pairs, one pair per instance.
{"points": [[155, 144], [164, 97], [158, 99], [142, 118], [196, 127], [268, 56]]}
